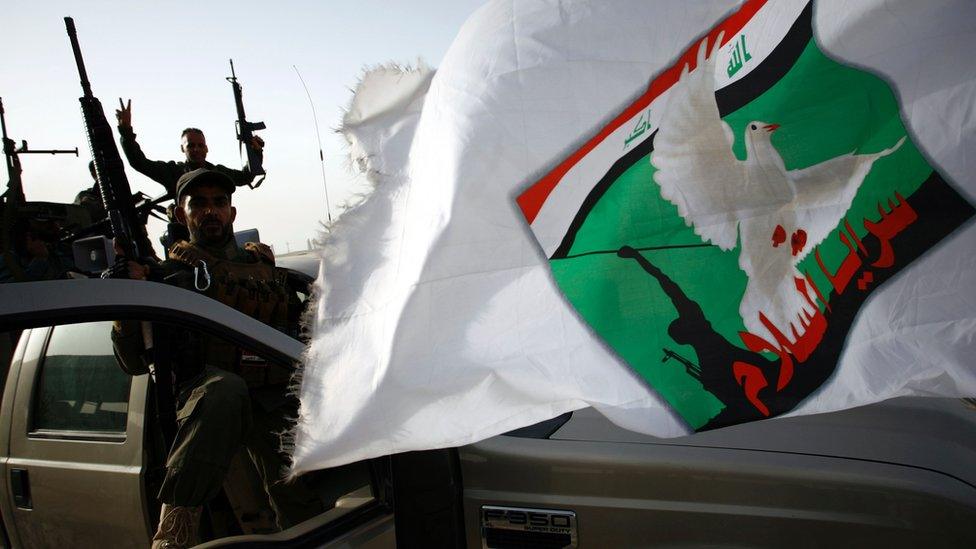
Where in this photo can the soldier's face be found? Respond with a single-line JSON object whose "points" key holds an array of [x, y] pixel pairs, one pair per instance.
{"points": [[207, 213], [194, 146]]}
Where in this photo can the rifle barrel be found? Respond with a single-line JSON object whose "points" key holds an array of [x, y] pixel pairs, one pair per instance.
{"points": [[73, 151], [69, 23]]}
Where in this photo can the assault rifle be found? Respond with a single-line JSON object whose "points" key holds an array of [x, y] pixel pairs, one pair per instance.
{"points": [[245, 131], [113, 186], [690, 367]]}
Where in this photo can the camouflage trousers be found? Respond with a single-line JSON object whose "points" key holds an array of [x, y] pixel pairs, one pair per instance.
{"points": [[215, 417]]}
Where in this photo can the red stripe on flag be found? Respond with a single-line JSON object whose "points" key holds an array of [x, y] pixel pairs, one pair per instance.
{"points": [[532, 199]]}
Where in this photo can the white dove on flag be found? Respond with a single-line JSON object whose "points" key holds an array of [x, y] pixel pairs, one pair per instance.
{"points": [[777, 215]]}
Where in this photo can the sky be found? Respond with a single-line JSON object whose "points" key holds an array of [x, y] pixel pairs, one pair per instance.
{"points": [[171, 60]]}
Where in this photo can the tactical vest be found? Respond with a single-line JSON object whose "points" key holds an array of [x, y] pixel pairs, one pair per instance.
{"points": [[257, 289]]}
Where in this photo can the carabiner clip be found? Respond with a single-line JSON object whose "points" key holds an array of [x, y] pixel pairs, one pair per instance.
{"points": [[196, 276]]}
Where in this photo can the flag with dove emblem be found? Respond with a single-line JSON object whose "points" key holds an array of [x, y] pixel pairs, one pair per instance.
{"points": [[761, 193], [683, 214]]}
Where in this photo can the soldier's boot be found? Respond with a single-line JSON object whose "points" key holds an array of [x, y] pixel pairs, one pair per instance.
{"points": [[178, 527]]}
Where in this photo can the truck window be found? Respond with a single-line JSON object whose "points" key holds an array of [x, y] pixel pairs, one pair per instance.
{"points": [[81, 387]]}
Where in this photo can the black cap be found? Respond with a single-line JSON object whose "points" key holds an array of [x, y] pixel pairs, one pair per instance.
{"points": [[201, 176]]}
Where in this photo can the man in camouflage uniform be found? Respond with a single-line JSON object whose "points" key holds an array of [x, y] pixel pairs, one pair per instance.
{"points": [[194, 146], [221, 403]]}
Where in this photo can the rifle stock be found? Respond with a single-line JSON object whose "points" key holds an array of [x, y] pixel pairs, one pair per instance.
{"points": [[113, 185]]}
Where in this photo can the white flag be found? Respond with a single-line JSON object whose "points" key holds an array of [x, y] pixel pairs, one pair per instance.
{"points": [[685, 214]]}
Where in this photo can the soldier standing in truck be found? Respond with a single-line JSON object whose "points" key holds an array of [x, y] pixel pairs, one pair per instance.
{"points": [[193, 145], [222, 404]]}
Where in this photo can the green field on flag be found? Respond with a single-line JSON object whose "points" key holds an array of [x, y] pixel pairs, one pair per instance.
{"points": [[824, 110]]}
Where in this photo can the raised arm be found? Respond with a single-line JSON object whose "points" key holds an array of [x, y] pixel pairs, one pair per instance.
{"points": [[164, 173]]}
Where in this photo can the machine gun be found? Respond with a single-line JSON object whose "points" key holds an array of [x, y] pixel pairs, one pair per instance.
{"points": [[15, 187], [245, 131], [113, 186], [14, 205], [129, 234]]}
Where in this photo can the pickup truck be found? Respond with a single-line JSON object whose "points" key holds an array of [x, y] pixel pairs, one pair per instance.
{"points": [[80, 459]]}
